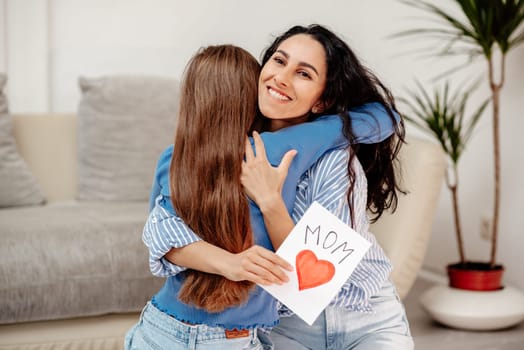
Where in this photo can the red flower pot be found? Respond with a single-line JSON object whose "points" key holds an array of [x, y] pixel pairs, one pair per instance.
{"points": [[475, 276]]}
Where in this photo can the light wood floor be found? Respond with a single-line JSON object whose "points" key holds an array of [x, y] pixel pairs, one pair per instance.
{"points": [[429, 335]]}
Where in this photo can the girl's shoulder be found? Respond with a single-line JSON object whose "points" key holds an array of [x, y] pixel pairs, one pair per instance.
{"points": [[165, 156]]}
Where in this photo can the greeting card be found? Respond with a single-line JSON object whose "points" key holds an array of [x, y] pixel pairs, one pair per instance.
{"points": [[324, 251]]}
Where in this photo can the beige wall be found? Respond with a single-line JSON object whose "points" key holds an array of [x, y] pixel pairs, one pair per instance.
{"points": [[49, 43]]}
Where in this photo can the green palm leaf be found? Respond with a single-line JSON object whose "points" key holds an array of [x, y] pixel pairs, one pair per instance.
{"points": [[486, 23], [442, 114]]}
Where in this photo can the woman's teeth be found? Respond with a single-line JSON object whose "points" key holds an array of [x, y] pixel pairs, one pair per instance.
{"points": [[278, 95]]}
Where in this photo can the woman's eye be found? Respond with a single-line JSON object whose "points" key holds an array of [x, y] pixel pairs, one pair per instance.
{"points": [[304, 74], [278, 60]]}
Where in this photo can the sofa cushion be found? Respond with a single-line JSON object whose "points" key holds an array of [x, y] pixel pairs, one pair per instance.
{"points": [[18, 186], [124, 124], [70, 259]]}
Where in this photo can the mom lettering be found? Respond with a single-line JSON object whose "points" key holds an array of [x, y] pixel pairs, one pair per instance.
{"points": [[330, 241]]}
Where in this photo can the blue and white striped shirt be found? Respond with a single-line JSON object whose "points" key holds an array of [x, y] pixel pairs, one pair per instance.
{"points": [[327, 183]]}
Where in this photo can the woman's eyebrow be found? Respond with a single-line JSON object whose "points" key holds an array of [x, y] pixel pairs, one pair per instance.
{"points": [[303, 64]]}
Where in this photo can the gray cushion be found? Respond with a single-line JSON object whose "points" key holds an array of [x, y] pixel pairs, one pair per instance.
{"points": [[18, 186], [73, 259], [124, 124]]}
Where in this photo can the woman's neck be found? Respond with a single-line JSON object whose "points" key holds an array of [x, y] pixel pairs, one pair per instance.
{"points": [[277, 124]]}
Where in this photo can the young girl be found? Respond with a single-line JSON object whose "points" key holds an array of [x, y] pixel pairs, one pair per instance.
{"points": [[217, 108]]}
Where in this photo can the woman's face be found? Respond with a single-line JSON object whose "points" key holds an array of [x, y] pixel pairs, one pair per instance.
{"points": [[292, 81]]}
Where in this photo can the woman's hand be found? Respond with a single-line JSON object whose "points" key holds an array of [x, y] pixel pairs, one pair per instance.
{"points": [[263, 182], [258, 265]]}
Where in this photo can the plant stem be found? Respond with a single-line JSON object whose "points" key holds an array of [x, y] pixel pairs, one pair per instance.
{"points": [[456, 214], [495, 93]]}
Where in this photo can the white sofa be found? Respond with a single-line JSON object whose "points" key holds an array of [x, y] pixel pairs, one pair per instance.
{"points": [[109, 275], [48, 143]]}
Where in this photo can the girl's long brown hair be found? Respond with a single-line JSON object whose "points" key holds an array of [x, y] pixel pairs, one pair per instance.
{"points": [[218, 103]]}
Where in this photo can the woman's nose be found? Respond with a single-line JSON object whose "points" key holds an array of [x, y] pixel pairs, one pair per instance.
{"points": [[282, 77]]}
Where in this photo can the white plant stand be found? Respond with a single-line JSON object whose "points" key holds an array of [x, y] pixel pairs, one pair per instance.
{"points": [[474, 310]]}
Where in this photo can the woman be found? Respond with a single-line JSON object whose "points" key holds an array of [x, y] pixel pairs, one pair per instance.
{"points": [[366, 313]]}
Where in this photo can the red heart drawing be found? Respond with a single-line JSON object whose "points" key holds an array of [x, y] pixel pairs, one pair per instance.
{"points": [[312, 272]]}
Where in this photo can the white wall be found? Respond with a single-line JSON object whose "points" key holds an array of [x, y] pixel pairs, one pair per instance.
{"points": [[3, 36], [46, 44], [26, 54]]}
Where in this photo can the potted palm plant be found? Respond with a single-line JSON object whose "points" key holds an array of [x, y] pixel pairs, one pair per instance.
{"points": [[489, 30], [442, 115]]}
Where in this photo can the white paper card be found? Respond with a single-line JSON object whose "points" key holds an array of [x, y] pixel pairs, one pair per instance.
{"points": [[324, 251]]}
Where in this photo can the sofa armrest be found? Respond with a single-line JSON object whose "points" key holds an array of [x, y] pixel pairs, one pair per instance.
{"points": [[48, 143], [404, 235]]}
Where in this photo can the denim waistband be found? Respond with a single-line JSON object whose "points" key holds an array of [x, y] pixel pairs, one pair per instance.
{"points": [[187, 332]]}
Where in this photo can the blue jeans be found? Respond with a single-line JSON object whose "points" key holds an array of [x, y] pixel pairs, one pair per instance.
{"points": [[158, 331], [386, 328]]}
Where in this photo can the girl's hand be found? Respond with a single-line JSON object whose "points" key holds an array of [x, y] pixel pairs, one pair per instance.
{"points": [[255, 264], [263, 182], [258, 265]]}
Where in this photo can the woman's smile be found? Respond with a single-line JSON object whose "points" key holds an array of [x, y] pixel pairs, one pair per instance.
{"points": [[278, 95]]}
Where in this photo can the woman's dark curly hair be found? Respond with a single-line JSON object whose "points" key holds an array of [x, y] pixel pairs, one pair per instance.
{"points": [[349, 84]]}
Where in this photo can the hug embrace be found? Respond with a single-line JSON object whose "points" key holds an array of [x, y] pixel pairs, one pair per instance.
{"points": [[322, 128]]}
